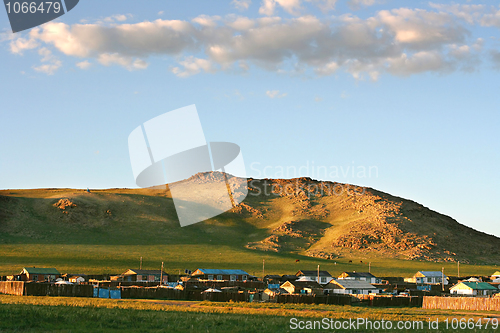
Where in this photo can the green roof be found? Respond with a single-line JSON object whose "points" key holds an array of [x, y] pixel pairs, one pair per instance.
{"points": [[39, 270], [479, 285]]}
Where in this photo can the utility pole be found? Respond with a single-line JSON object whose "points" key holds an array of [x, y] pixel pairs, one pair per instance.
{"points": [[442, 278], [140, 265], [161, 274], [369, 267], [458, 266], [318, 274], [263, 269]]}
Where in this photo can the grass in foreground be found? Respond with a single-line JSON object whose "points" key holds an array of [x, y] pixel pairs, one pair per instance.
{"points": [[102, 315]]}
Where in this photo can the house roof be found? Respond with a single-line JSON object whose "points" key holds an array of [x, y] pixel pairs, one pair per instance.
{"points": [[220, 271], [353, 284], [430, 274], [144, 272], [313, 273], [497, 273], [40, 270], [302, 284], [477, 285], [358, 274]]}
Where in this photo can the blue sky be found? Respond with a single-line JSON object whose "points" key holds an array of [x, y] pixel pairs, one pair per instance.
{"points": [[408, 89]]}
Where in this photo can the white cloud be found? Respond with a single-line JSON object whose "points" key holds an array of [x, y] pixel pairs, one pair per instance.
{"points": [[50, 63], [118, 17], [20, 44], [191, 66], [241, 23], [357, 4], [275, 94], [207, 21], [400, 42], [83, 64], [290, 6], [324, 5], [48, 69], [327, 69], [241, 4], [161, 12], [423, 61], [108, 59]]}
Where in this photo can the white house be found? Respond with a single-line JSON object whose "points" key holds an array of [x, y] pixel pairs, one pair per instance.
{"points": [[312, 276], [368, 277], [473, 289], [428, 277], [495, 276], [349, 286]]}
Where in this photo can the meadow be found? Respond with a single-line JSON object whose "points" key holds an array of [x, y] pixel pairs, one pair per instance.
{"points": [[23, 314], [99, 259]]}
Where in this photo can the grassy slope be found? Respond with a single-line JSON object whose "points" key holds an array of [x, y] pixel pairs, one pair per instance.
{"points": [[106, 315], [110, 230]]}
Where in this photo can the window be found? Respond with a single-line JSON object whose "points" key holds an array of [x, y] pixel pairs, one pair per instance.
{"points": [[244, 277], [210, 277], [219, 277], [323, 279], [233, 277], [35, 277]]}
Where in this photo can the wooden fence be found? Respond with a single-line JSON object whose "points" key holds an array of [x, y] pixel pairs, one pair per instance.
{"points": [[311, 299], [462, 303], [21, 288], [12, 287], [390, 300], [192, 295]]}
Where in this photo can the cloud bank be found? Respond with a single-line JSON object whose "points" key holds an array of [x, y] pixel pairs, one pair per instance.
{"points": [[399, 42]]}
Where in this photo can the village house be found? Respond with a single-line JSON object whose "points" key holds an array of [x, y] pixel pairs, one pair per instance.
{"points": [[349, 286], [144, 275], [39, 274], [302, 287], [428, 277], [495, 277], [473, 289], [368, 277], [75, 278], [324, 276], [205, 274]]}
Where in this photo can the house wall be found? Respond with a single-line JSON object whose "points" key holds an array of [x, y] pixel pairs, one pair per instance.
{"points": [[225, 277]]}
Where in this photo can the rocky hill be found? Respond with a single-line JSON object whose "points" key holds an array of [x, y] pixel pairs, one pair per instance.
{"points": [[318, 219]]}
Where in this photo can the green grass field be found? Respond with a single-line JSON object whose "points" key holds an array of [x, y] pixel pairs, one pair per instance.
{"points": [[98, 259], [21, 314]]}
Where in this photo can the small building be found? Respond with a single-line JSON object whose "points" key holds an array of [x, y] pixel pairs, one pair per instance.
{"points": [[207, 274], [39, 274], [324, 276], [272, 292], [349, 286], [302, 287], [428, 277], [495, 276], [144, 275], [368, 277], [473, 289]]}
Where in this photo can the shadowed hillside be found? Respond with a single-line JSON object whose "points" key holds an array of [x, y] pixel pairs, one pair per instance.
{"points": [[317, 219]]}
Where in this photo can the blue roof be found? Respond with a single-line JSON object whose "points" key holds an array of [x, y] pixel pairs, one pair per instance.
{"points": [[432, 273], [222, 271]]}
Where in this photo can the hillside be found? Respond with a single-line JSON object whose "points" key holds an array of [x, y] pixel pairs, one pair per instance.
{"points": [[298, 216]]}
